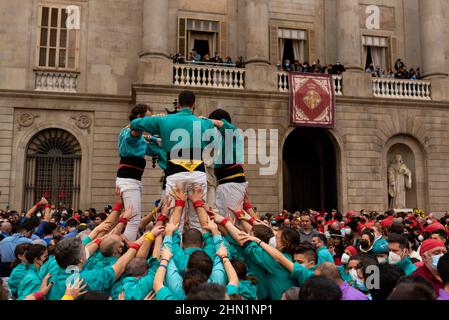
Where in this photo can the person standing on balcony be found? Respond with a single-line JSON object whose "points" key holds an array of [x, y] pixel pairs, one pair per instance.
{"points": [[133, 146], [182, 134]]}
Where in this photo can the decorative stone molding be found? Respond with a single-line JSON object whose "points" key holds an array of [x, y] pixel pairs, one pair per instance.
{"points": [[83, 122], [26, 119]]}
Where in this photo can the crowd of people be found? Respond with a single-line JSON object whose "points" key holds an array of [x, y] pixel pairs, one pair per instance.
{"points": [[400, 71], [315, 67], [194, 58], [202, 245]]}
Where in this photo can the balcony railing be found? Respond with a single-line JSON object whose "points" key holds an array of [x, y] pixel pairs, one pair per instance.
{"points": [[208, 76], [401, 89], [56, 81], [283, 83]]}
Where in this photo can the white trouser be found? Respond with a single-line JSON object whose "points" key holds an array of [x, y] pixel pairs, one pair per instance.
{"points": [[188, 179], [230, 194], [131, 190]]}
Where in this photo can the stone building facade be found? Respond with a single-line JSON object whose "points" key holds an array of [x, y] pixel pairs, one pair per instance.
{"points": [[65, 94]]}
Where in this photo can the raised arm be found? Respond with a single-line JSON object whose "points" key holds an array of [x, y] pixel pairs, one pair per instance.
{"points": [[196, 197], [230, 271], [273, 252], [124, 218], [162, 270], [122, 262], [34, 208], [230, 227], [149, 238], [178, 193]]}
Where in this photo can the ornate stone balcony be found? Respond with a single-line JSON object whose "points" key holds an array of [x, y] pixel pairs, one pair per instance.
{"points": [[208, 76], [55, 81], [401, 89], [283, 83]]}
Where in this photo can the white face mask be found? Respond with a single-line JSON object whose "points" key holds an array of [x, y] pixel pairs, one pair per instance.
{"points": [[420, 238], [354, 275], [348, 231], [394, 258], [429, 221], [345, 258], [272, 242], [382, 260]]}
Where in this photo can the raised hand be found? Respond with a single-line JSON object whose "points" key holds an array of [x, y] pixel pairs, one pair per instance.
{"points": [[166, 253], [128, 214], [45, 286], [157, 230], [170, 228], [237, 210], [178, 192], [121, 296], [197, 193], [43, 201], [222, 251], [211, 225], [76, 289], [246, 237], [168, 205]]}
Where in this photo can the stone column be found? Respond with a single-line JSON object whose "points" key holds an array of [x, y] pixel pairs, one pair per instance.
{"points": [[155, 66], [434, 63], [260, 74], [257, 35], [349, 42], [349, 50]]}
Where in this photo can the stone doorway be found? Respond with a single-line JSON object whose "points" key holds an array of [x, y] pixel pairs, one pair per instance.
{"points": [[309, 170]]}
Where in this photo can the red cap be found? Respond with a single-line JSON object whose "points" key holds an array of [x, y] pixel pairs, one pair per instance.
{"points": [[430, 244], [350, 213], [352, 250], [433, 227]]}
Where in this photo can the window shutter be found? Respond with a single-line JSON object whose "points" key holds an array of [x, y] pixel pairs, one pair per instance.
{"points": [[274, 45], [182, 36], [223, 39]]}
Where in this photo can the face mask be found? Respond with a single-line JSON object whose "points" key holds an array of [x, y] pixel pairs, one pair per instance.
{"points": [[382, 260], [394, 258], [421, 238], [272, 242], [353, 274], [435, 260], [327, 234], [429, 221], [348, 231], [345, 258]]}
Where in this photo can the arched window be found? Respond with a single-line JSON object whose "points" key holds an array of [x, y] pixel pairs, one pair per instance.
{"points": [[52, 169]]}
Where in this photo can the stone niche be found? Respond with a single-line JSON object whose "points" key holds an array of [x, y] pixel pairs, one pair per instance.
{"points": [[409, 160]]}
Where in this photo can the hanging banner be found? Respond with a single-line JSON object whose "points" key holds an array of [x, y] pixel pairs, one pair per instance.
{"points": [[312, 100]]}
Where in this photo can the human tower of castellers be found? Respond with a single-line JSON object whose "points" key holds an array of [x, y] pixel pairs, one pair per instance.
{"points": [[219, 249]]}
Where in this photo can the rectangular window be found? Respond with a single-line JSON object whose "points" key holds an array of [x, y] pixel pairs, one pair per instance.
{"points": [[57, 47], [292, 45], [375, 52]]}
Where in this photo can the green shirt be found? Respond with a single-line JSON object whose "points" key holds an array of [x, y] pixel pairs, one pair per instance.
{"points": [[301, 273], [225, 157], [278, 278], [99, 261], [30, 284], [407, 266], [17, 275], [96, 280], [165, 293], [166, 126], [137, 288], [247, 290], [324, 255]]}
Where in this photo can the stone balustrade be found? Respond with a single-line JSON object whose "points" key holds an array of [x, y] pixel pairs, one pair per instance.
{"points": [[56, 81], [401, 89], [208, 76], [283, 83]]}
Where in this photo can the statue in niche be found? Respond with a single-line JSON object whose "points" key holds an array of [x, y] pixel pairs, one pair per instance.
{"points": [[399, 179]]}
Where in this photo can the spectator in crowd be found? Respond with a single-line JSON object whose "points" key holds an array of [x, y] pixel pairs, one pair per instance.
{"points": [[306, 232], [443, 271]]}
